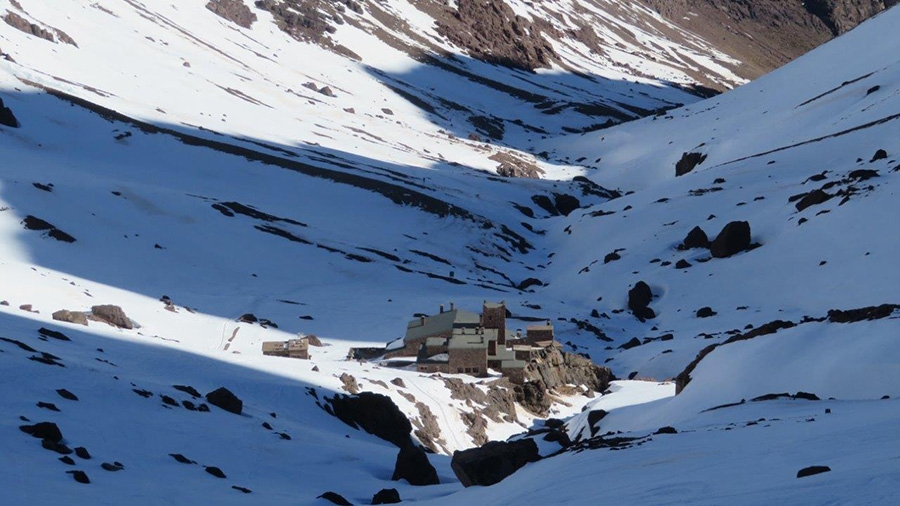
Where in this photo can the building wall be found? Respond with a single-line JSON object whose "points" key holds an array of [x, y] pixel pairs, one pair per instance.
{"points": [[495, 318], [516, 376], [535, 336], [432, 368], [469, 361]]}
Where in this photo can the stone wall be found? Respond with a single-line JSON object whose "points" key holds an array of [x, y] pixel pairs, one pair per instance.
{"points": [[469, 361]]}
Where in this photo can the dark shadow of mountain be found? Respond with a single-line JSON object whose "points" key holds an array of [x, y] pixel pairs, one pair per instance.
{"points": [[517, 108]]}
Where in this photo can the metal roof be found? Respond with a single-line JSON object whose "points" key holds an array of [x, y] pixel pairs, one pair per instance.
{"points": [[441, 323]]}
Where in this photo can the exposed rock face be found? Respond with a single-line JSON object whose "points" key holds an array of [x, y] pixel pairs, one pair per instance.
{"points": [[497, 404], [493, 462], [533, 396], [413, 466], [301, 19], [235, 11], [7, 118], [23, 25], [491, 31], [64, 315], [374, 413], [223, 398], [554, 368], [734, 238], [112, 315], [843, 15]]}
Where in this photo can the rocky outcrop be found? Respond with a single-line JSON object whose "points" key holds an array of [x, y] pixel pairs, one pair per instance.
{"points": [[223, 398], [497, 403], [841, 16], [493, 462], [688, 162], [490, 30], [235, 11], [64, 315], [413, 466], [374, 413], [554, 368], [23, 25]]}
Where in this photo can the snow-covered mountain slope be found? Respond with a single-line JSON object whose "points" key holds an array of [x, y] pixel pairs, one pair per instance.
{"points": [[213, 185]]}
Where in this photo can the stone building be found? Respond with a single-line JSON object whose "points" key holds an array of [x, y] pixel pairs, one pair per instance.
{"points": [[460, 342], [293, 348]]}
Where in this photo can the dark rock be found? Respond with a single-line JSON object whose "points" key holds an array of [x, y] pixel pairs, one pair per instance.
{"points": [[47, 405], [169, 401], [61, 236], [633, 343], [241, 489], [682, 264], [806, 396], [666, 430], [374, 413], [203, 408], [112, 315], [215, 471], [188, 405], [335, 498], [181, 458], [116, 466], [386, 496], [696, 238], [67, 460], [7, 118], [639, 298], [705, 312], [612, 257], [594, 418], [53, 334], [528, 283], [64, 315], [188, 390], [43, 430], [413, 466], [734, 238], [223, 398], [566, 204], [493, 462], [65, 394], [266, 425], [248, 318], [812, 198], [863, 174], [688, 162], [79, 476], [57, 447], [812, 470], [861, 314], [879, 155], [82, 453], [35, 223]]}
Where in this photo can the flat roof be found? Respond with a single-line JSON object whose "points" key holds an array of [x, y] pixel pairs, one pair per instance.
{"points": [[440, 323]]}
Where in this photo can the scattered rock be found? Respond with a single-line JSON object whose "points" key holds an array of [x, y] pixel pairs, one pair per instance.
{"points": [[64, 315], [248, 318], [386, 496], [812, 198], [666, 430], [705, 312], [79, 476], [398, 382], [349, 383], [734, 238], [683, 264], [47, 431], [67, 460], [861, 314], [633, 343], [223, 398], [612, 257], [528, 283], [215, 471], [235, 11], [53, 334], [188, 390], [696, 238], [65, 394], [335, 498], [47, 405], [413, 466], [241, 489], [82, 453], [688, 162], [879, 155], [115, 466], [566, 204], [493, 462], [314, 340], [181, 458], [812, 470], [112, 315]]}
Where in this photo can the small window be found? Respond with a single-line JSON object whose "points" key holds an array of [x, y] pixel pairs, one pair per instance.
{"points": [[468, 370], [475, 370], [459, 369]]}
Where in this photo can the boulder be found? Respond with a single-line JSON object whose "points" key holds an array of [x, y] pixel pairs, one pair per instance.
{"points": [[223, 398], [386, 496], [705, 312], [112, 315], [879, 155], [682, 264], [374, 413], [79, 476], [812, 470], [696, 238], [413, 466], [44, 430], [612, 257], [734, 238], [639, 298], [688, 162], [64, 315], [493, 462], [812, 198], [215, 471]]}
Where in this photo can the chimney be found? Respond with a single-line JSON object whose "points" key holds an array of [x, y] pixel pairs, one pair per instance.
{"points": [[422, 320], [442, 309], [451, 306]]}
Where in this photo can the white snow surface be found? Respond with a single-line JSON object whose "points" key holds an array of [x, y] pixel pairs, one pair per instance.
{"points": [[334, 254]]}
